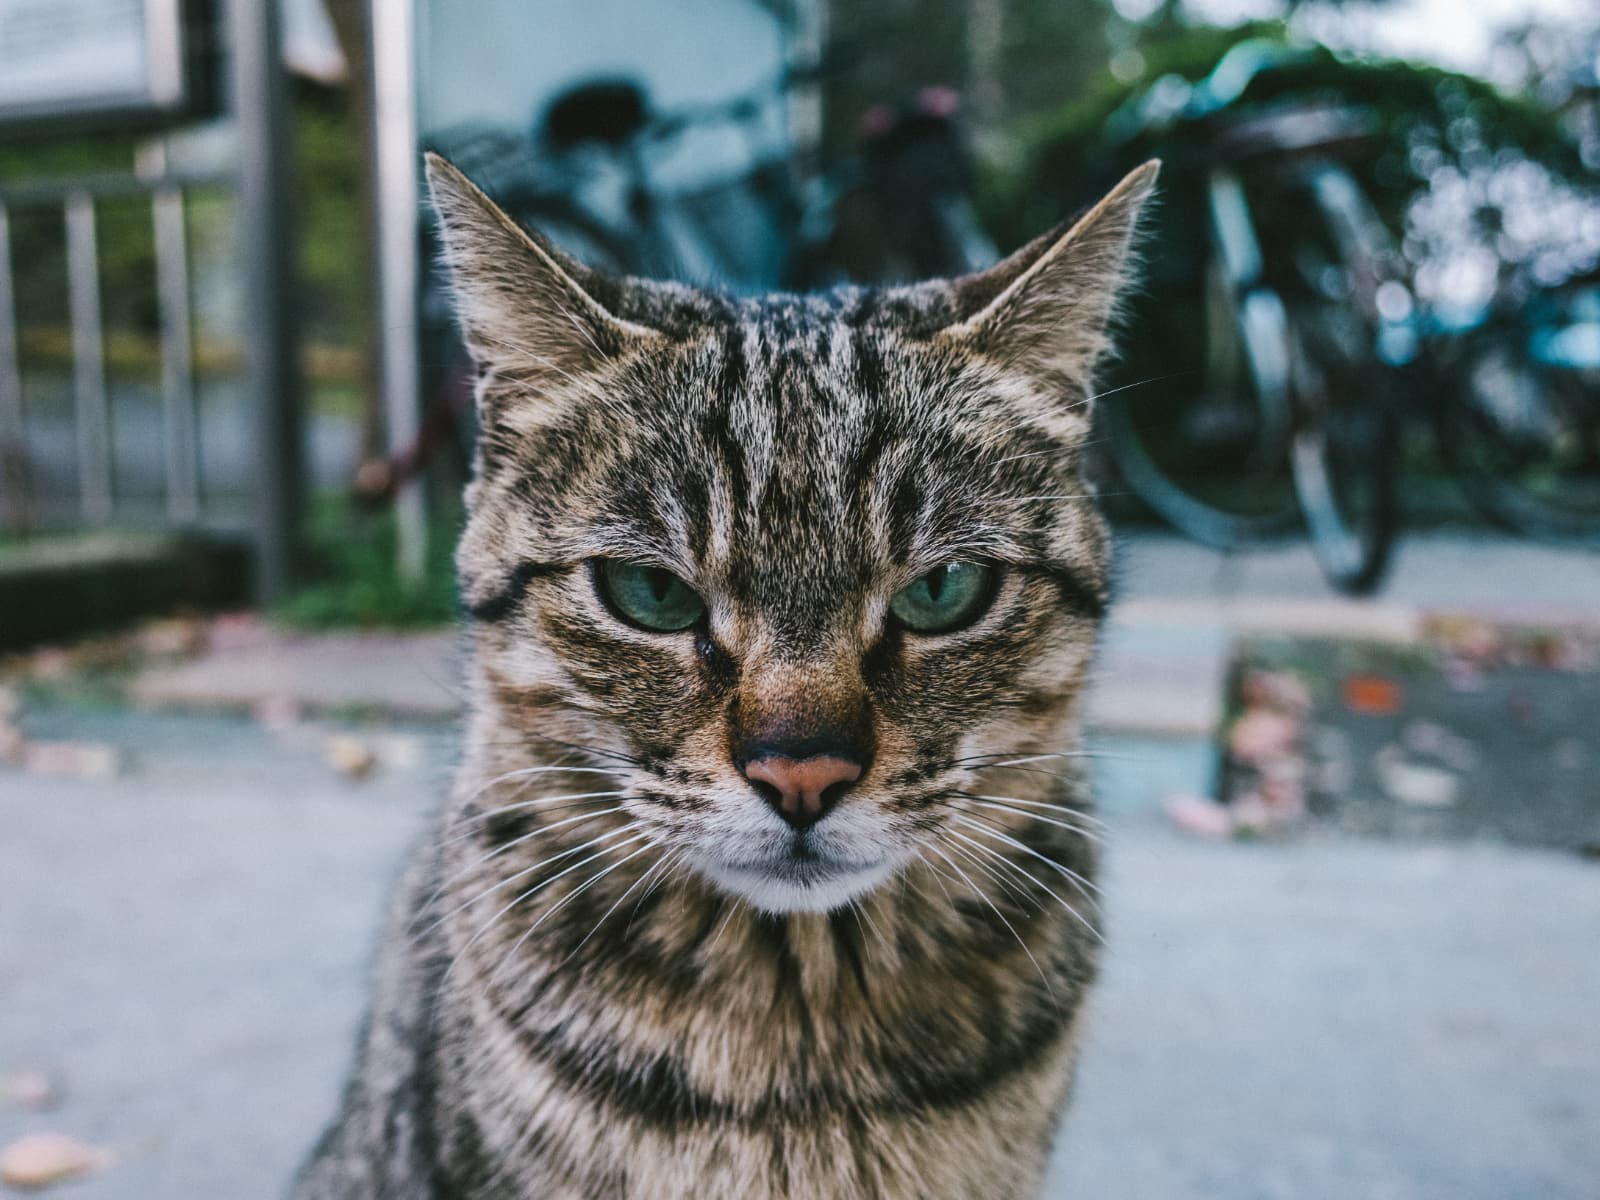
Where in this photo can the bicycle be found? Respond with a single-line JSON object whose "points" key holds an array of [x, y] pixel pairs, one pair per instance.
{"points": [[1313, 335]]}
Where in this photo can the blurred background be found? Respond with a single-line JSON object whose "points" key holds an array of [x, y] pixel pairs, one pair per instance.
{"points": [[1351, 444]]}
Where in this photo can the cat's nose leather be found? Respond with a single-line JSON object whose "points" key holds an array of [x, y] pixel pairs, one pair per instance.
{"points": [[802, 790]]}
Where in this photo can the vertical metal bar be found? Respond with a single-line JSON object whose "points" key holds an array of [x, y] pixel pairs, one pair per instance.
{"points": [[808, 31], [985, 61], [93, 410], [394, 115], [267, 244], [177, 356], [13, 431]]}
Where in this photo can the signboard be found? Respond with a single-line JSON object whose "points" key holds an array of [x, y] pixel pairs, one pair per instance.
{"points": [[87, 58]]}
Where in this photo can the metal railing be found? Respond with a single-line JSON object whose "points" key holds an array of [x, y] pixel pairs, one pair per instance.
{"points": [[78, 198]]}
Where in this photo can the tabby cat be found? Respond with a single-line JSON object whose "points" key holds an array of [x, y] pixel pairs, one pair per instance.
{"points": [[768, 867]]}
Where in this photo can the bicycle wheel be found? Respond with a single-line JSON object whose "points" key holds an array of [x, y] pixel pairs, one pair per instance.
{"points": [[1204, 441], [1345, 452], [1523, 440], [1345, 458]]}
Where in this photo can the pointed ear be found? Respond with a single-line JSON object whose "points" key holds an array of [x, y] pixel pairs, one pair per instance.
{"points": [[1044, 311], [529, 313]]}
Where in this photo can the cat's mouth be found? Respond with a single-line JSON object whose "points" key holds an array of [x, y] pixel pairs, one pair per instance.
{"points": [[798, 878]]}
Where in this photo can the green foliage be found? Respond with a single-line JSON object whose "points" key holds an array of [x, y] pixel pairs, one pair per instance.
{"points": [[1067, 160], [351, 571]]}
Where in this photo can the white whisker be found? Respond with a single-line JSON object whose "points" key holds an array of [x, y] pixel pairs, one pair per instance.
{"points": [[1077, 880], [982, 895], [1040, 884], [569, 898]]}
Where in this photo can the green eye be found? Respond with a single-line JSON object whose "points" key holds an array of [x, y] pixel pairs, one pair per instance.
{"points": [[648, 596], [944, 599]]}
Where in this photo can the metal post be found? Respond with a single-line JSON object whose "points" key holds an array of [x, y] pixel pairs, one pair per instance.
{"points": [[266, 245], [394, 116], [807, 36], [92, 406], [13, 431], [177, 355]]}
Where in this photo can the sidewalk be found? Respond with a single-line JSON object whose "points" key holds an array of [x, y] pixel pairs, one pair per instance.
{"points": [[185, 949]]}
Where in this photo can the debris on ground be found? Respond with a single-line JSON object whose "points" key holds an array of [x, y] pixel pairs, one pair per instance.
{"points": [[1476, 730], [1264, 763], [39, 1160]]}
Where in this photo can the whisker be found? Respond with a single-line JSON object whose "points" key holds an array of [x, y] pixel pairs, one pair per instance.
{"points": [[727, 919], [1094, 827], [528, 837], [1083, 885], [1009, 885], [525, 871], [861, 913], [1054, 451], [618, 904], [568, 899], [522, 740], [982, 895], [545, 803], [673, 859], [1041, 885]]}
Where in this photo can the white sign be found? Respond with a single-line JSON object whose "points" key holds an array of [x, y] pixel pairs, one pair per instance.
{"points": [[63, 57]]}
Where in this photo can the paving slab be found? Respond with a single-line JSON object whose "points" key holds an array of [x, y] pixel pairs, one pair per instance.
{"points": [[407, 674]]}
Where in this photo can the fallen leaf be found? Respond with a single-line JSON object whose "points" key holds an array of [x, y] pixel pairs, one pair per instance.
{"points": [[1261, 735], [1373, 695], [1417, 784], [350, 756], [42, 1159], [1198, 815]]}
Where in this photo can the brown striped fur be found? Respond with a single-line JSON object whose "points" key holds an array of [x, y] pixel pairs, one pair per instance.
{"points": [[610, 972]]}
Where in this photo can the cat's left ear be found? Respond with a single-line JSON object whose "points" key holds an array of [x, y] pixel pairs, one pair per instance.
{"points": [[1044, 310]]}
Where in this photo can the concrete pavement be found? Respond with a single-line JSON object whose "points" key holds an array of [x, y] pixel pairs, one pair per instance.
{"points": [[186, 945]]}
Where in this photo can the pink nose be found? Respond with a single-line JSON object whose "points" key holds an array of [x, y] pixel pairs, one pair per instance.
{"points": [[802, 790]]}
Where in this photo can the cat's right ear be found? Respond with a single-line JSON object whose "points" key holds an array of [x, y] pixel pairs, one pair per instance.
{"points": [[531, 316]]}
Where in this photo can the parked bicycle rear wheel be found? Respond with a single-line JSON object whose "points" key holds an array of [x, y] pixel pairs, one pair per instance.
{"points": [[1523, 440], [1204, 445], [1346, 452], [1345, 455]]}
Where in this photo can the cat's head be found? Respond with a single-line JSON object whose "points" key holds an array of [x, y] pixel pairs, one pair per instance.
{"points": [[795, 568]]}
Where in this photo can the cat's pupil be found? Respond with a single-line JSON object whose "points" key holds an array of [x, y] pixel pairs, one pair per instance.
{"points": [[935, 583], [660, 583]]}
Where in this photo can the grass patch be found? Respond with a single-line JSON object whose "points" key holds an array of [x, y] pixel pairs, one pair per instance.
{"points": [[351, 576]]}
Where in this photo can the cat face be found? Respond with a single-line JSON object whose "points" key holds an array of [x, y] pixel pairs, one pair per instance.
{"points": [[793, 568]]}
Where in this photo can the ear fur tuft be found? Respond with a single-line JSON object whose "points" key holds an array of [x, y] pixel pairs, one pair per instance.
{"points": [[1045, 309]]}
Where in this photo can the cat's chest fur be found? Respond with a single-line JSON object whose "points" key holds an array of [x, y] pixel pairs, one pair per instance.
{"points": [[857, 1055]]}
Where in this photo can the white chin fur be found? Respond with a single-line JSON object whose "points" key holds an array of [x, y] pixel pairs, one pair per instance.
{"points": [[772, 893]]}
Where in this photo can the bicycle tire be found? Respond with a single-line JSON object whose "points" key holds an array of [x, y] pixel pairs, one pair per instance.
{"points": [[1499, 471], [1346, 473], [1345, 450], [1251, 332]]}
